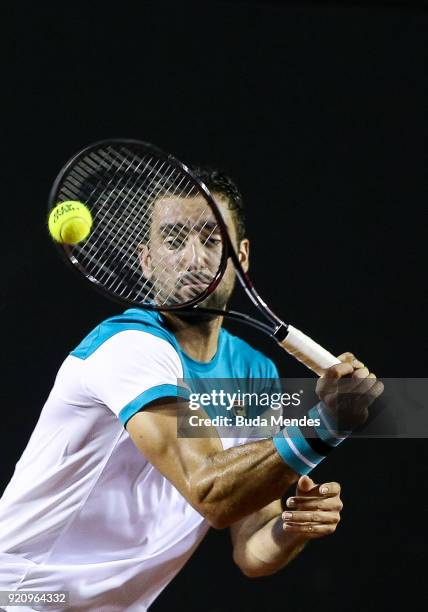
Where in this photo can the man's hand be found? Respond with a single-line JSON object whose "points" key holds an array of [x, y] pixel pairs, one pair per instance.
{"points": [[348, 389], [314, 511]]}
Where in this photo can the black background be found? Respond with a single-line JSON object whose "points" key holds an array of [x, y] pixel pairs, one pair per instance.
{"points": [[317, 111]]}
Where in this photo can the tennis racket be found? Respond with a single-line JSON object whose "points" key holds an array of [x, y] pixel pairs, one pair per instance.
{"points": [[159, 240]]}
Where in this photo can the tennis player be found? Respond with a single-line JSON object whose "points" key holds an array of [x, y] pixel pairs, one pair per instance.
{"points": [[107, 503]]}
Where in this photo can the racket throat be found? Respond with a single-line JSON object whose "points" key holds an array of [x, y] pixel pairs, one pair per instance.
{"points": [[280, 333]]}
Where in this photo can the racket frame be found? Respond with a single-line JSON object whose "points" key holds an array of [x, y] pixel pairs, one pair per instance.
{"points": [[65, 250], [306, 350]]}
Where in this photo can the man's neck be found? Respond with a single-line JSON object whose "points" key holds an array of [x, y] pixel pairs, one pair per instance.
{"points": [[198, 340]]}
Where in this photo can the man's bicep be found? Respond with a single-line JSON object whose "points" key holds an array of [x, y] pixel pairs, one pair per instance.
{"points": [[154, 432]]}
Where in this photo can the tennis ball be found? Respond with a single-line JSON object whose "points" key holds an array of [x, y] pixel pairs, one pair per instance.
{"points": [[70, 222]]}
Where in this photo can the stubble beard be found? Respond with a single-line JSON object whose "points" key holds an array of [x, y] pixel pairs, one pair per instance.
{"points": [[218, 300]]}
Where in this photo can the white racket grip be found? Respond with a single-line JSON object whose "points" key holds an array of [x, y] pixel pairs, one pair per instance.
{"points": [[308, 351]]}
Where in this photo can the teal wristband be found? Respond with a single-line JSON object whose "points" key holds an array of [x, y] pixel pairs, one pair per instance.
{"points": [[304, 448]]}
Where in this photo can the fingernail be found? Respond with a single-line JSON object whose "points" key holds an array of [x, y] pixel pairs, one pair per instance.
{"points": [[324, 490], [357, 364], [287, 515], [290, 501]]}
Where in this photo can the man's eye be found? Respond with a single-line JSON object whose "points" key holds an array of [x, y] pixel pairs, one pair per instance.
{"points": [[212, 241], [175, 242]]}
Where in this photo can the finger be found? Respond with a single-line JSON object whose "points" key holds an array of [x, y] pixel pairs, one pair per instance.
{"points": [[360, 372], [377, 389], [353, 398], [363, 391], [329, 489], [356, 363], [310, 530], [349, 384], [328, 382], [319, 492], [370, 385], [305, 484], [366, 392], [337, 371], [317, 516], [315, 503], [347, 356]]}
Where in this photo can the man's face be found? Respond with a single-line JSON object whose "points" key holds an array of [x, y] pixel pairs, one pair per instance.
{"points": [[183, 253]]}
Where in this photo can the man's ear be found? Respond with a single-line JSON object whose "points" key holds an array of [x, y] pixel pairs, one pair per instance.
{"points": [[244, 254], [145, 260]]}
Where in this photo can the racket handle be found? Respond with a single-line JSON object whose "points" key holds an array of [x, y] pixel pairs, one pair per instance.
{"points": [[307, 351]]}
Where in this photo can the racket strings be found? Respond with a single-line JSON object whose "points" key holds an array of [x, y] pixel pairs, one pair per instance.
{"points": [[99, 203], [120, 188], [106, 203], [155, 192], [110, 204], [142, 237], [125, 231], [149, 192]]}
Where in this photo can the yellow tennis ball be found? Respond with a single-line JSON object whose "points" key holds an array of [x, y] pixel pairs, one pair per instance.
{"points": [[70, 222]]}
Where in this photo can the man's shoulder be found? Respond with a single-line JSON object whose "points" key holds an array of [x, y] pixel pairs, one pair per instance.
{"points": [[133, 319]]}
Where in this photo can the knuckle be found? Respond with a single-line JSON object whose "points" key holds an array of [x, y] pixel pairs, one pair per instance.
{"points": [[332, 373], [337, 487], [379, 387], [334, 487], [361, 373]]}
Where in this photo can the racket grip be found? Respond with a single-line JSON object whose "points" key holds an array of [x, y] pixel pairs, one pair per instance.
{"points": [[306, 350]]}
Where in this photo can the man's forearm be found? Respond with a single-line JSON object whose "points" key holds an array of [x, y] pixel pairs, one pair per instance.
{"points": [[268, 549], [239, 481]]}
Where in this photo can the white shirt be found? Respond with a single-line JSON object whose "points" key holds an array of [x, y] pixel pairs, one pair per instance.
{"points": [[85, 512]]}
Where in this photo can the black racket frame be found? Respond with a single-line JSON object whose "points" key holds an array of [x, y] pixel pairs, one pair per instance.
{"points": [[277, 328]]}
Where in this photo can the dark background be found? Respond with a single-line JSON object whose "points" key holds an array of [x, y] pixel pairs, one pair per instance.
{"points": [[317, 111]]}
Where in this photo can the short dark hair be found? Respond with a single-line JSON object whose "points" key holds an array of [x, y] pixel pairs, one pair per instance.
{"points": [[218, 181]]}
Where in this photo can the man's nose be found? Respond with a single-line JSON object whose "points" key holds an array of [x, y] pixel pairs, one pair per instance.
{"points": [[194, 255]]}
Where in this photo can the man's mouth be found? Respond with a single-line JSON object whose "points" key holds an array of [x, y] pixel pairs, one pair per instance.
{"points": [[198, 280], [190, 285]]}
